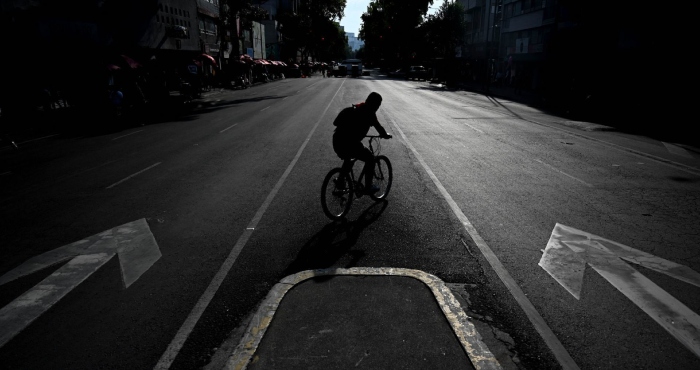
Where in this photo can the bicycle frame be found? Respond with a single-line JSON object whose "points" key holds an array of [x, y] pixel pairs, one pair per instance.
{"points": [[359, 181]]}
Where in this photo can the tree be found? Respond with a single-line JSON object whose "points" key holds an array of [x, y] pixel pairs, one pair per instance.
{"points": [[444, 31], [313, 29], [390, 28]]}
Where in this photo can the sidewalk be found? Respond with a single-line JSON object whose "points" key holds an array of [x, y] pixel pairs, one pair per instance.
{"points": [[638, 121], [372, 318]]}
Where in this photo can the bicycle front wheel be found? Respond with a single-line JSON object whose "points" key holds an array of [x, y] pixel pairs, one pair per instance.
{"points": [[383, 177], [336, 194]]}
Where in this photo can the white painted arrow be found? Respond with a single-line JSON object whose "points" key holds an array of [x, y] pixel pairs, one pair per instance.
{"points": [[568, 251], [133, 242]]}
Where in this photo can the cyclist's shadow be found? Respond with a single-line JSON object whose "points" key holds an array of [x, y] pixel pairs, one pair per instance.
{"points": [[334, 241]]}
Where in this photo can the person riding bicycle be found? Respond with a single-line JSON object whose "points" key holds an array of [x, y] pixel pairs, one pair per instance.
{"points": [[352, 125]]}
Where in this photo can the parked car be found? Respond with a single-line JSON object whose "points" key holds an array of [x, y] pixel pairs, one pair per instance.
{"points": [[417, 73], [399, 72]]}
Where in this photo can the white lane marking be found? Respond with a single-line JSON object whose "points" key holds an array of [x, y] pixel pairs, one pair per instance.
{"points": [[30, 305], [535, 318], [564, 173], [569, 250], [133, 242], [265, 108], [119, 137], [313, 84], [473, 128], [5, 173], [128, 177], [39, 138], [90, 169], [179, 340], [677, 150], [230, 127]]}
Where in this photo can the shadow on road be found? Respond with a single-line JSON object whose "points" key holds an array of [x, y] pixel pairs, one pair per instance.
{"points": [[335, 240]]}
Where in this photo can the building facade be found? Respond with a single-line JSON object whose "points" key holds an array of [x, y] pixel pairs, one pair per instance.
{"points": [[354, 43]]}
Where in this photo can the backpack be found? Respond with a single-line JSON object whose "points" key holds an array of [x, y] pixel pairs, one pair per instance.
{"points": [[345, 117]]}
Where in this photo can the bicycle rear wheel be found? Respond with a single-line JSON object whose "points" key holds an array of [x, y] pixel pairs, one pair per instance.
{"points": [[336, 194], [383, 177]]}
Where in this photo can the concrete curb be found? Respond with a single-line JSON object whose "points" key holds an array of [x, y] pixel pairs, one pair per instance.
{"points": [[480, 356]]}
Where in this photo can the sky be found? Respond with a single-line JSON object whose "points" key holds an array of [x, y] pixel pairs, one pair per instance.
{"points": [[355, 8]]}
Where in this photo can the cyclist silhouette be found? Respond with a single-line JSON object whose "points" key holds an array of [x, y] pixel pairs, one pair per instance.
{"points": [[352, 125]]}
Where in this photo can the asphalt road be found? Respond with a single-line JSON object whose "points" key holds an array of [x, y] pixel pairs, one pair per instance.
{"points": [[230, 193]]}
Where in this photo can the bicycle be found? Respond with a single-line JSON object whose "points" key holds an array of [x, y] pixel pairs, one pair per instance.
{"points": [[338, 190]]}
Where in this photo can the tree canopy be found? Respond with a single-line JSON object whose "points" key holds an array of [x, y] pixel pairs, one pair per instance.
{"points": [[390, 29], [314, 29], [443, 31]]}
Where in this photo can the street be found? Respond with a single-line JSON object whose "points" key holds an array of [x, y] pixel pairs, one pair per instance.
{"points": [[493, 197]]}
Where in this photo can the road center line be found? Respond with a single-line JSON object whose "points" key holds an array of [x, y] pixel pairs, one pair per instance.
{"points": [[39, 138], [265, 108], [232, 126], [473, 128], [564, 173], [179, 340], [119, 137], [535, 318], [128, 177]]}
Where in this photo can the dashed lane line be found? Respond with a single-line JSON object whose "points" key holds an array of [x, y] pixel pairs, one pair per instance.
{"points": [[564, 173], [119, 137], [128, 177], [227, 128]]}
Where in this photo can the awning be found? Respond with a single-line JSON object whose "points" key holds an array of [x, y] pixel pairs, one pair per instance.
{"points": [[210, 58]]}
